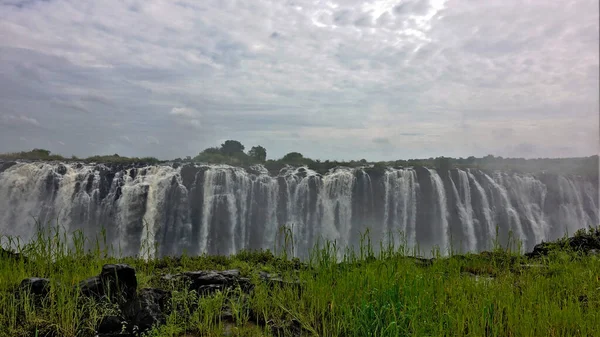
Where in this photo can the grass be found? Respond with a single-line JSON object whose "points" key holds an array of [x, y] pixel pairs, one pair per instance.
{"points": [[496, 293]]}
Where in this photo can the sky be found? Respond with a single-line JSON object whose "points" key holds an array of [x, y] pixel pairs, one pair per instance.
{"points": [[338, 79]]}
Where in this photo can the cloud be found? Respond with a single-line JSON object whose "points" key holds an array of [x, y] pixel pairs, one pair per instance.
{"points": [[381, 140], [441, 77], [19, 120], [73, 105], [152, 140], [187, 117], [96, 98], [412, 7], [184, 112]]}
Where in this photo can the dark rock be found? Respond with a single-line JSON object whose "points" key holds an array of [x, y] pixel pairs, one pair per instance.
{"points": [[207, 282], [277, 281], [209, 289], [6, 165], [6, 254], [149, 308], [120, 278], [118, 281], [92, 287], [36, 286], [583, 242], [210, 281], [188, 175], [111, 325], [61, 169]]}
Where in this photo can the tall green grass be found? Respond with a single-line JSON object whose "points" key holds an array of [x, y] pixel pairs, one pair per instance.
{"points": [[374, 290]]}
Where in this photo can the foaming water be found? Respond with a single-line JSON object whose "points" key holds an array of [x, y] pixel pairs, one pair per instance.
{"points": [[219, 209]]}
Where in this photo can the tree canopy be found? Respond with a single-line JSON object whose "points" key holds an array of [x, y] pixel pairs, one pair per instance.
{"points": [[232, 147], [258, 152], [292, 157], [231, 152]]}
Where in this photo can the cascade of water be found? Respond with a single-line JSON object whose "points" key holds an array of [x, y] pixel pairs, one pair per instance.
{"points": [[219, 209], [336, 202], [156, 182], [487, 211], [400, 205], [465, 209], [442, 211], [571, 211], [529, 195]]}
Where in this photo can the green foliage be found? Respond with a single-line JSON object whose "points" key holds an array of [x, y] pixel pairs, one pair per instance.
{"points": [[232, 147], [40, 154], [212, 150], [259, 153], [293, 157], [121, 160], [343, 292], [35, 154], [232, 152]]}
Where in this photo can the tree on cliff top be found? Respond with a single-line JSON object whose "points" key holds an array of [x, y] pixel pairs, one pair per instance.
{"points": [[40, 152], [232, 147], [292, 157], [258, 152]]}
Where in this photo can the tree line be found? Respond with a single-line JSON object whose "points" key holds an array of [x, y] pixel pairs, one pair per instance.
{"points": [[232, 152]]}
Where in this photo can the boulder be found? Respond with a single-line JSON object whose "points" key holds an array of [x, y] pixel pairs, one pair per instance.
{"points": [[92, 287], [150, 307], [9, 255], [6, 165], [116, 281], [583, 242], [120, 278], [111, 325], [206, 282], [61, 169], [39, 287], [273, 281]]}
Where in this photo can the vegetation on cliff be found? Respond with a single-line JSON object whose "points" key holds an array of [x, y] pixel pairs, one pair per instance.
{"points": [[555, 292], [231, 152], [46, 155]]}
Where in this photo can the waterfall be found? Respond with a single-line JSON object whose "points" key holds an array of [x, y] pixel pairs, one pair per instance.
{"points": [[400, 205], [218, 209], [486, 209], [442, 210], [463, 202]]}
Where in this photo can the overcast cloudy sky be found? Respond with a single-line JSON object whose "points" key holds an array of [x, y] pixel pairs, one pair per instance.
{"points": [[338, 79]]}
